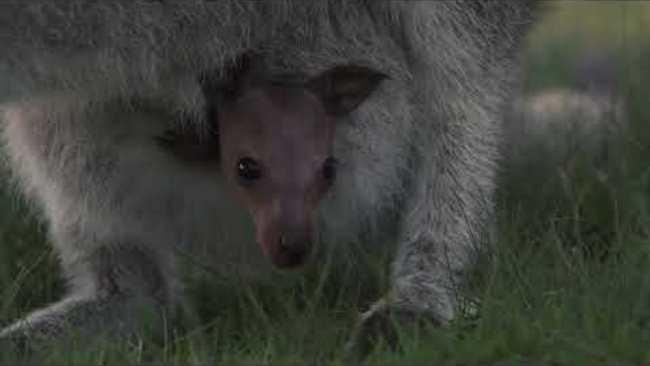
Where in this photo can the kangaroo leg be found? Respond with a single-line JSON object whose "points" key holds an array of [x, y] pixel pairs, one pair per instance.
{"points": [[110, 290]]}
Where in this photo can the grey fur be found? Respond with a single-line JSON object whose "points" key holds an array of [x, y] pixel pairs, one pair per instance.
{"points": [[91, 83]]}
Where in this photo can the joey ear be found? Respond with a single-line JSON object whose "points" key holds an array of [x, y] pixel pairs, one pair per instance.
{"points": [[344, 88]]}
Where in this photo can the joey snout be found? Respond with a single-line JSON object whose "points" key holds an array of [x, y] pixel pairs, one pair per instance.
{"points": [[286, 247], [292, 249]]}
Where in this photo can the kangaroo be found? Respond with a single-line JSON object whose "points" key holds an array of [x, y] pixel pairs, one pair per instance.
{"points": [[371, 122]]}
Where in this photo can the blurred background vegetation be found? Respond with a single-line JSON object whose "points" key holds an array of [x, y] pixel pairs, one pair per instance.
{"points": [[617, 30], [566, 282]]}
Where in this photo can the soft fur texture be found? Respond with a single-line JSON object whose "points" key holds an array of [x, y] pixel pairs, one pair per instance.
{"points": [[90, 84]]}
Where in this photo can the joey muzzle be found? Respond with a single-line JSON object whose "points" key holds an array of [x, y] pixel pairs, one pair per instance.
{"points": [[287, 246]]}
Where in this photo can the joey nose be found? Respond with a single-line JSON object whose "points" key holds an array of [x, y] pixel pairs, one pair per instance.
{"points": [[293, 250]]}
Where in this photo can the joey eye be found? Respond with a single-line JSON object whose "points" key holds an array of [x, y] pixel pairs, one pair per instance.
{"points": [[248, 170], [329, 169]]}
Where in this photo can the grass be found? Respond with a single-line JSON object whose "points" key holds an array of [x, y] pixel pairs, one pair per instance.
{"points": [[567, 282]]}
